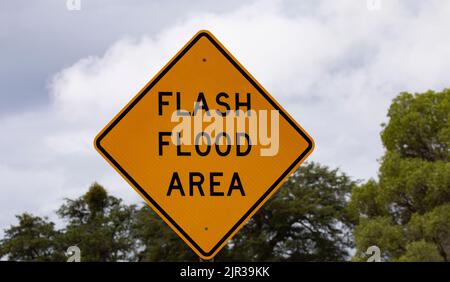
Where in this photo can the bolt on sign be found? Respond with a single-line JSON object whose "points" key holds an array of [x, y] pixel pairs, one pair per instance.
{"points": [[204, 144]]}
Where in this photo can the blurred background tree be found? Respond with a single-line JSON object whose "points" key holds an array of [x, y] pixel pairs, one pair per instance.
{"points": [[305, 220], [33, 239], [99, 224], [407, 212]]}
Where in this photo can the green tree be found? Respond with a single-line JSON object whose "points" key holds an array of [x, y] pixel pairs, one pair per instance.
{"points": [[406, 211], [306, 220], [99, 224], [156, 241], [420, 251], [33, 239]]}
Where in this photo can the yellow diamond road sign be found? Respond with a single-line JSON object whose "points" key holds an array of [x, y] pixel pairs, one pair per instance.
{"points": [[204, 144]]}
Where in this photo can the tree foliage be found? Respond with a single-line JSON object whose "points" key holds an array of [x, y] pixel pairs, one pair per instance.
{"points": [[406, 211], [33, 239], [305, 221], [157, 242], [99, 224]]}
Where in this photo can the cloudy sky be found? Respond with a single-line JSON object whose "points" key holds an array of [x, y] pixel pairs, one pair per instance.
{"points": [[334, 65]]}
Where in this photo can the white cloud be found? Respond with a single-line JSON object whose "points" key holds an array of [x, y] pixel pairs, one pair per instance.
{"points": [[334, 65]]}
